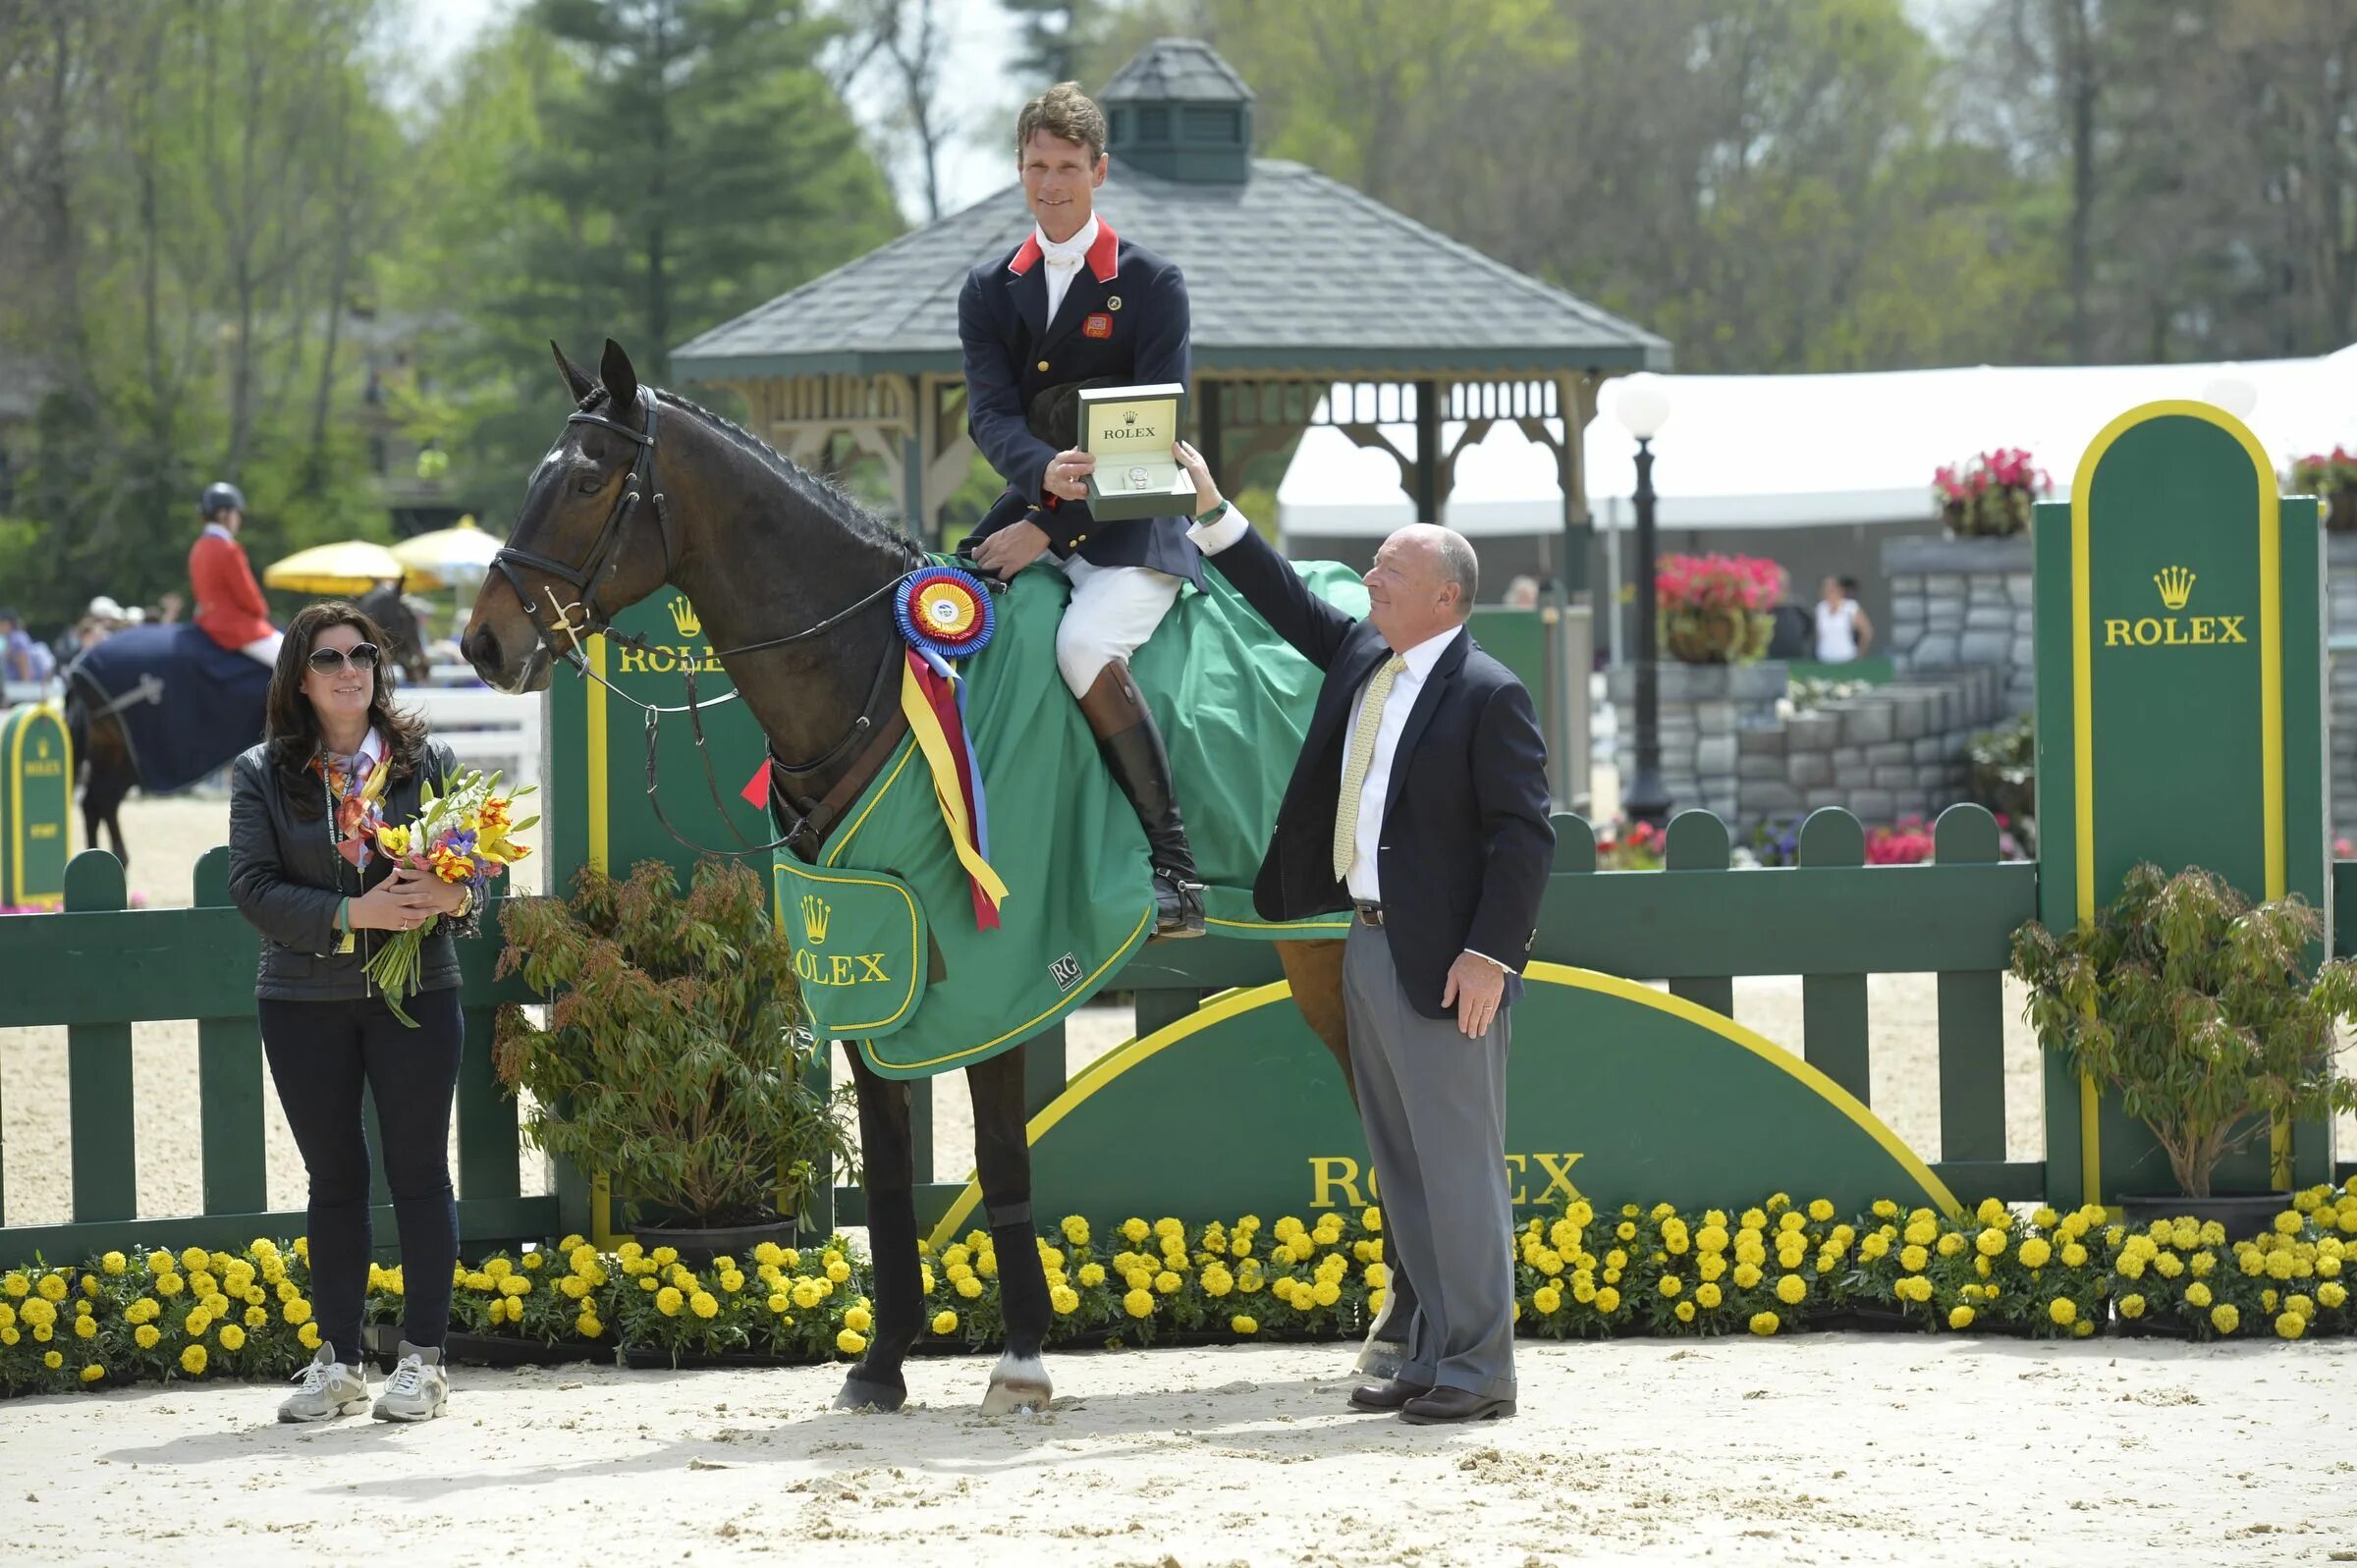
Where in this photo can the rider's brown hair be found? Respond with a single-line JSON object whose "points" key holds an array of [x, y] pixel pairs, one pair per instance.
{"points": [[1063, 110], [291, 730]]}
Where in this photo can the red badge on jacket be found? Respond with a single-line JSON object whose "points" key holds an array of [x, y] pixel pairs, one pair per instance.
{"points": [[1098, 325]]}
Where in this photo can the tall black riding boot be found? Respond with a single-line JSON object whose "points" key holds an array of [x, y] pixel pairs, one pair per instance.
{"points": [[1133, 746]]}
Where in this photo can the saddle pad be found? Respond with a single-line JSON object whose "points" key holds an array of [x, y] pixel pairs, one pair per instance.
{"points": [[1233, 701], [189, 706]]}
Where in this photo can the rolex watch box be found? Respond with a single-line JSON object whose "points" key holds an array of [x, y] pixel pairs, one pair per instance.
{"points": [[1130, 431]]}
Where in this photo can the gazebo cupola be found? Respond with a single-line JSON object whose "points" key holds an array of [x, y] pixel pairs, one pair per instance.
{"points": [[1180, 112]]}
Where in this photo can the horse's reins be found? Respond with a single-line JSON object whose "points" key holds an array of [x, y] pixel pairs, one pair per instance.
{"points": [[811, 819]]}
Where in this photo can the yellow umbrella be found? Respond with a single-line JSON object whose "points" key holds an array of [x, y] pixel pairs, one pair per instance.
{"points": [[448, 557], [353, 567]]}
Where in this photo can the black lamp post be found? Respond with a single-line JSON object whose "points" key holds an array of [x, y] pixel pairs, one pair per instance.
{"points": [[1642, 408]]}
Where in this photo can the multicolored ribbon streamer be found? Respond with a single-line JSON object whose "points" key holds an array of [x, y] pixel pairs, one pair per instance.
{"points": [[942, 614], [930, 700]]}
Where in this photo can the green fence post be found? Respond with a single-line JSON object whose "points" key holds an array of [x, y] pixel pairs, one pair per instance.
{"points": [[488, 1142], [1972, 1016], [1697, 842], [1160, 1008], [228, 1081], [1833, 1006], [98, 1072]]}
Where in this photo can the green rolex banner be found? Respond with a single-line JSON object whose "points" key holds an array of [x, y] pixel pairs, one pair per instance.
{"points": [[2180, 720]]}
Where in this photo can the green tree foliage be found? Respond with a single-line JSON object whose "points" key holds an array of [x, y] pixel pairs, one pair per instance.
{"points": [[634, 169], [191, 196]]}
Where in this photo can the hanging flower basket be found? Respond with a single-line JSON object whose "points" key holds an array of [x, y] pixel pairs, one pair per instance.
{"points": [[1714, 609], [1991, 496], [2331, 476]]}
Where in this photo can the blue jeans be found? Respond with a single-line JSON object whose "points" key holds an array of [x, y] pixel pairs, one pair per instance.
{"points": [[319, 1053]]}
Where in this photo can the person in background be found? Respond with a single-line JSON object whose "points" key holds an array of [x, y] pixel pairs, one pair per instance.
{"points": [[170, 608], [229, 606], [22, 660], [1844, 632], [1522, 593]]}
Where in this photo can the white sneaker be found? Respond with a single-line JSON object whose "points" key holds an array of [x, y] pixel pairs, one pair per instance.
{"points": [[418, 1388], [329, 1390]]}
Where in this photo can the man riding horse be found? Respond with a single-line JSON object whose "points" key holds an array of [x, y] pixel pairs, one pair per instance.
{"points": [[1074, 303], [229, 603]]}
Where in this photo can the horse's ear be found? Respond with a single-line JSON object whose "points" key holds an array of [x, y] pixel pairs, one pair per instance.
{"points": [[576, 381], [622, 382]]}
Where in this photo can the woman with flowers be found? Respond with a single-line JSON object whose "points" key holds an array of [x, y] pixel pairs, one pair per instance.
{"points": [[338, 762]]}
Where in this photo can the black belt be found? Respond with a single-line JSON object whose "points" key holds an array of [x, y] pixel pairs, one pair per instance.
{"points": [[1371, 913]]}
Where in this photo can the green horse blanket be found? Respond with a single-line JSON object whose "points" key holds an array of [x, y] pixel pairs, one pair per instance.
{"points": [[883, 926]]}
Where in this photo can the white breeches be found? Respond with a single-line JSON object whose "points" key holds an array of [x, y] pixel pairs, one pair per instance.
{"points": [[1114, 611], [264, 649]]}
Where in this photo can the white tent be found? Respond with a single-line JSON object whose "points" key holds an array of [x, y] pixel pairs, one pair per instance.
{"points": [[1770, 451]]}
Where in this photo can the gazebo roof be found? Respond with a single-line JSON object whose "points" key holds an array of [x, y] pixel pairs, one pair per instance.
{"points": [[1288, 272]]}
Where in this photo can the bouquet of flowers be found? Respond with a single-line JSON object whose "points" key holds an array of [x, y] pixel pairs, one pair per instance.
{"points": [[464, 835]]}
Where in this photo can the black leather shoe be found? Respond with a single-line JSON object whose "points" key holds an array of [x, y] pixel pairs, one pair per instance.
{"points": [[1388, 1395], [1440, 1406]]}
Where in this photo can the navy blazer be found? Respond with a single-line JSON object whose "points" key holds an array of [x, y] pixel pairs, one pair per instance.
{"points": [[1466, 847], [1124, 321]]}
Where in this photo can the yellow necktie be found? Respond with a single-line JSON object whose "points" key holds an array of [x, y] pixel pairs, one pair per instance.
{"points": [[1354, 767]]}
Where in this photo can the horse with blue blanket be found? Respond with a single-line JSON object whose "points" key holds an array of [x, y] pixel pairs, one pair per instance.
{"points": [[958, 869]]}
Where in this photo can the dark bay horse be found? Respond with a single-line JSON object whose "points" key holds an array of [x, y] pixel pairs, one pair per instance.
{"points": [[644, 490]]}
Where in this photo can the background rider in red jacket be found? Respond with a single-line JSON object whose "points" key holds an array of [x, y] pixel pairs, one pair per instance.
{"points": [[229, 603]]}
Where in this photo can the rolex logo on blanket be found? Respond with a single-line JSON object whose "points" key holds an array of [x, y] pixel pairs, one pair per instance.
{"points": [[991, 878]]}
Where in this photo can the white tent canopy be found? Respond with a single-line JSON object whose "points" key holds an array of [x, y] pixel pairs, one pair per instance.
{"points": [[1774, 451]]}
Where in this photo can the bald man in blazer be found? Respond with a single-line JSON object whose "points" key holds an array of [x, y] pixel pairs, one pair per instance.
{"points": [[1420, 804]]}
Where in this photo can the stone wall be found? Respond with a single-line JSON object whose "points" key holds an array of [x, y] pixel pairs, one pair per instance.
{"points": [[1962, 602], [1703, 708], [1888, 753]]}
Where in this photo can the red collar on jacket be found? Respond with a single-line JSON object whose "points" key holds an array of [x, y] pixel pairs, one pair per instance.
{"points": [[1100, 252]]}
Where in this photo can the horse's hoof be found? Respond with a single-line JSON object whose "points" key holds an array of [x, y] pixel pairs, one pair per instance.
{"points": [[862, 1393], [1381, 1359], [1018, 1387]]}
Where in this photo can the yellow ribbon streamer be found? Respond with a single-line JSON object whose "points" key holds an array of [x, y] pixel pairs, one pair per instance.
{"points": [[925, 724]]}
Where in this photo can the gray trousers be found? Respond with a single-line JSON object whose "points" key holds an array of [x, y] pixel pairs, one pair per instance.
{"points": [[1433, 1105]]}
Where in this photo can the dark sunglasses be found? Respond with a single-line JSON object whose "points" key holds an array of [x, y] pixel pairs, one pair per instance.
{"points": [[361, 657]]}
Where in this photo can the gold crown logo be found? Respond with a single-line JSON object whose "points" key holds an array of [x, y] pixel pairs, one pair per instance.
{"points": [[815, 918], [1129, 418], [683, 617], [2176, 585]]}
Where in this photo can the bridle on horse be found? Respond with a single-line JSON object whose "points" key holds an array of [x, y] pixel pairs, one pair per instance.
{"points": [[810, 819]]}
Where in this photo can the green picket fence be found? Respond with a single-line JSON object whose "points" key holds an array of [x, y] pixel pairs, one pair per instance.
{"points": [[1831, 920]]}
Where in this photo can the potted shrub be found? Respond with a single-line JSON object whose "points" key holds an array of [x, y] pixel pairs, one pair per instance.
{"points": [[2331, 476], [1717, 609], [1992, 494], [675, 1059], [2198, 1009]]}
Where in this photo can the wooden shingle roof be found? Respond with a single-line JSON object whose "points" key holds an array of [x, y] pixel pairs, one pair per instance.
{"points": [[1289, 272]]}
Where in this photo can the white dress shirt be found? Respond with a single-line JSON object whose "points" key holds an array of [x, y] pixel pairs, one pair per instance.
{"points": [[1364, 883], [1063, 260]]}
